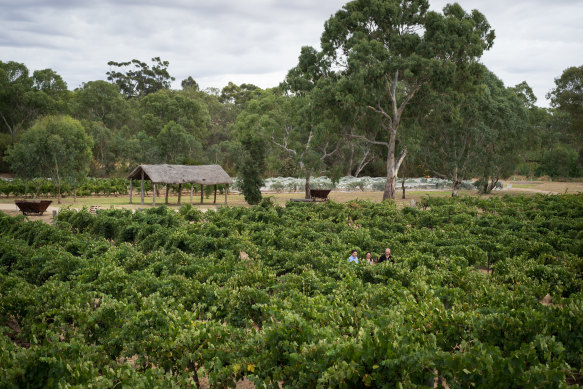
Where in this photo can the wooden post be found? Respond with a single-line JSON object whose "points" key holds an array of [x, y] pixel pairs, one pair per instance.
{"points": [[167, 190], [131, 189], [142, 188], [201, 192], [179, 193], [154, 196], [215, 200], [226, 190], [191, 190]]}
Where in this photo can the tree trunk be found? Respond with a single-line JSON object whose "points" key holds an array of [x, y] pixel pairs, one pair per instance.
{"points": [[349, 168], [455, 188], [403, 185], [392, 167], [455, 183], [75, 194], [58, 180], [391, 182], [307, 187], [365, 161], [490, 185], [11, 130]]}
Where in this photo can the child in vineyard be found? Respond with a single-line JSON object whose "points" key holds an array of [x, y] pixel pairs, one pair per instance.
{"points": [[353, 256]]}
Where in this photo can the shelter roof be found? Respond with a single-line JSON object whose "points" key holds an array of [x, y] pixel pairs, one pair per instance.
{"points": [[181, 174]]}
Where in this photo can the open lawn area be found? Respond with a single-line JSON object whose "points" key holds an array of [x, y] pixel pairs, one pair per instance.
{"points": [[236, 199]]}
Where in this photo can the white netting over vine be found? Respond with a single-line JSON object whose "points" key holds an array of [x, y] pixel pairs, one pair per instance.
{"points": [[291, 184]]}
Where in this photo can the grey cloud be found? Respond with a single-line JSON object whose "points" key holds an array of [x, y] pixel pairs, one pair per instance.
{"points": [[256, 40]]}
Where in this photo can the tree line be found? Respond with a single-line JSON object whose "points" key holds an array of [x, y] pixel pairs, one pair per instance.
{"points": [[394, 90]]}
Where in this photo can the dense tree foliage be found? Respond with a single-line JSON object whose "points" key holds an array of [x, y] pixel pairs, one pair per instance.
{"points": [[137, 79], [389, 50], [567, 96], [55, 146], [251, 167]]}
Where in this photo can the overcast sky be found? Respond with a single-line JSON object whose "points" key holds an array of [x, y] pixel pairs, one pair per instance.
{"points": [[257, 41]]}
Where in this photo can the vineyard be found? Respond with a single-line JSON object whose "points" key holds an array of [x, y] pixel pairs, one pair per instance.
{"points": [[482, 292]]}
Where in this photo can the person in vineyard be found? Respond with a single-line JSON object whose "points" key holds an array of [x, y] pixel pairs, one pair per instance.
{"points": [[386, 256], [353, 256], [369, 258]]}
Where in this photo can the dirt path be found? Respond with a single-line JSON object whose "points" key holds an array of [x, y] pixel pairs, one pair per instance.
{"points": [[544, 187], [13, 207], [531, 190]]}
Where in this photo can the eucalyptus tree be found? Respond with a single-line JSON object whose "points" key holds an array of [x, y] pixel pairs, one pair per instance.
{"points": [[287, 120], [190, 83], [315, 137], [567, 97], [24, 98], [176, 144], [503, 129], [251, 167], [390, 49], [100, 101], [450, 143], [137, 79], [238, 95], [159, 108], [50, 82], [476, 128], [56, 147], [104, 151], [542, 125], [333, 102]]}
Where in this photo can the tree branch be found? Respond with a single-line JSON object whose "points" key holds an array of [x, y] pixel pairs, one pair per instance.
{"points": [[382, 112], [326, 154], [7, 125], [284, 146], [374, 142], [364, 161], [307, 144], [408, 98], [400, 159], [443, 176]]}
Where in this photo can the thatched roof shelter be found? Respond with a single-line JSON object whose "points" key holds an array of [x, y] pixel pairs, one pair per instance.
{"points": [[180, 174]]}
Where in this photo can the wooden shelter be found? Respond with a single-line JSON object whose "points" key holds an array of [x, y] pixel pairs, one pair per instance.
{"points": [[180, 174]]}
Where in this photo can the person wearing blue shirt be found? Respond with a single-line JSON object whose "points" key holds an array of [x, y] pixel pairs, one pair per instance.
{"points": [[353, 256]]}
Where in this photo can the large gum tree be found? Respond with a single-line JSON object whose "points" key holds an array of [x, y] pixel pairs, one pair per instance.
{"points": [[55, 147], [389, 49]]}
